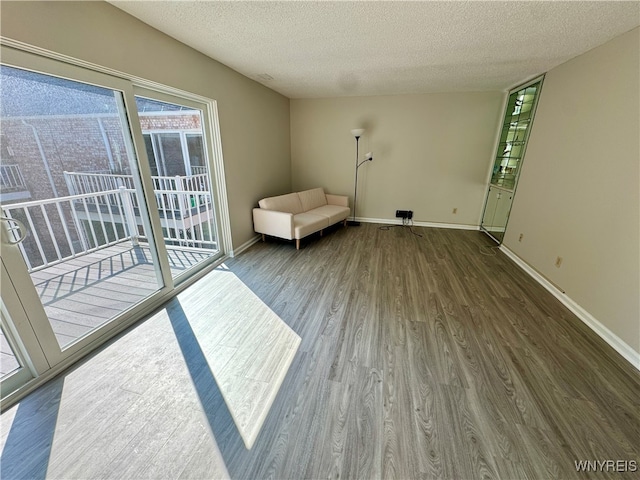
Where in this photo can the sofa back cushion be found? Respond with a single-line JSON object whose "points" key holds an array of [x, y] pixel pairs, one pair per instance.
{"points": [[289, 203], [313, 198]]}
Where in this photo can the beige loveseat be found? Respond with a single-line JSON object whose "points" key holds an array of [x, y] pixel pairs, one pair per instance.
{"points": [[296, 215]]}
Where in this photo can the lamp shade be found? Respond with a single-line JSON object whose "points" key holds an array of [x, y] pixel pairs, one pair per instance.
{"points": [[368, 157], [357, 132]]}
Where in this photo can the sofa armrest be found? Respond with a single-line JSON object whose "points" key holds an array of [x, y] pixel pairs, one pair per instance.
{"points": [[271, 222], [341, 200]]}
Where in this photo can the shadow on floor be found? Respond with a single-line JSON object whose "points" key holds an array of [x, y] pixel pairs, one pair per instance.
{"points": [[31, 435], [220, 421]]}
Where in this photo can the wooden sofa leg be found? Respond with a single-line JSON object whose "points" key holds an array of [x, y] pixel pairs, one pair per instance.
{"points": [[264, 237], [321, 232], [345, 222], [297, 244]]}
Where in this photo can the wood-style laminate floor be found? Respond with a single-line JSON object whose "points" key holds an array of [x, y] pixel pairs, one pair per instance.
{"points": [[420, 358]]}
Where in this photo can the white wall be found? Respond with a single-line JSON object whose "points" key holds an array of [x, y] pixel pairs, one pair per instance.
{"points": [[432, 152], [578, 195], [254, 120]]}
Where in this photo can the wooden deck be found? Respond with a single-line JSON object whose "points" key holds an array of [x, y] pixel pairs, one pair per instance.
{"points": [[83, 293]]}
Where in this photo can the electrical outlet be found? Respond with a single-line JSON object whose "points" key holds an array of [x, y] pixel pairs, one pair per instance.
{"points": [[455, 210], [521, 237], [558, 262], [407, 214]]}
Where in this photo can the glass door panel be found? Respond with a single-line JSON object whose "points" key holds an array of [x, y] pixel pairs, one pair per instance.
{"points": [[176, 149], [75, 186], [8, 361], [18, 365], [515, 131], [13, 372]]}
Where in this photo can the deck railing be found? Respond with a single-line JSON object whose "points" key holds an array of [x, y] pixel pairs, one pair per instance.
{"points": [[198, 170], [187, 218], [83, 182], [165, 188], [11, 178], [59, 229]]}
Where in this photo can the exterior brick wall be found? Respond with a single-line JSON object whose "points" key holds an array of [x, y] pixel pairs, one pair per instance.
{"points": [[68, 143], [75, 144], [170, 122]]}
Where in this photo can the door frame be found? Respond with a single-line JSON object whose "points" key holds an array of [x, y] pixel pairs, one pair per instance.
{"points": [[213, 152], [18, 331]]}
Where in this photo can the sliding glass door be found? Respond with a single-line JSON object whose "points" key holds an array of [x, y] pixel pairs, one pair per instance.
{"points": [[87, 246], [178, 157], [107, 202]]}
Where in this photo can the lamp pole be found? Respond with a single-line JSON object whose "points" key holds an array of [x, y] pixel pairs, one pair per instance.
{"points": [[357, 132], [355, 189]]}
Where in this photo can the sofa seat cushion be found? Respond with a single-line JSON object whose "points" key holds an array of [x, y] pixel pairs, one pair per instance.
{"points": [[307, 223], [289, 203], [310, 199], [334, 213]]}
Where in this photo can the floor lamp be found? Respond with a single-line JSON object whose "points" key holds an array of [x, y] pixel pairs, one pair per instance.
{"points": [[357, 132]]}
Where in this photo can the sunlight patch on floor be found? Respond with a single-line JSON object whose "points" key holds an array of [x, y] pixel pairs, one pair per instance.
{"points": [[247, 346]]}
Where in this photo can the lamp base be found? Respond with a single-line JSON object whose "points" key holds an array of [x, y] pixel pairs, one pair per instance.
{"points": [[353, 223]]}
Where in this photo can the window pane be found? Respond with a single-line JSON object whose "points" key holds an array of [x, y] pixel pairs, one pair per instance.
{"points": [[185, 202], [169, 149], [67, 156], [153, 163], [196, 152]]}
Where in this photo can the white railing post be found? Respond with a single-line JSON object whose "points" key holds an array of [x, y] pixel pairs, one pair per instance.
{"points": [[183, 202], [69, 180], [184, 206], [130, 215]]}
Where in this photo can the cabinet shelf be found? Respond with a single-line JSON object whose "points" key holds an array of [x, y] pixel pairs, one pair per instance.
{"points": [[501, 187], [516, 123]]}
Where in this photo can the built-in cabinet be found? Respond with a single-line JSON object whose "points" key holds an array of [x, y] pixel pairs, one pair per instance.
{"points": [[496, 211], [512, 144]]}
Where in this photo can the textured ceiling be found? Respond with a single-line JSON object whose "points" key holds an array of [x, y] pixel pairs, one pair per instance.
{"points": [[326, 49]]}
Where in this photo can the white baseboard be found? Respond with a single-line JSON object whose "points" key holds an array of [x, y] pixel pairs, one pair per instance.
{"points": [[237, 251], [607, 335], [396, 221]]}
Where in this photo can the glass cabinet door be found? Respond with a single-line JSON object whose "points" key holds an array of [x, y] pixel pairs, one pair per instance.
{"points": [[514, 133]]}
